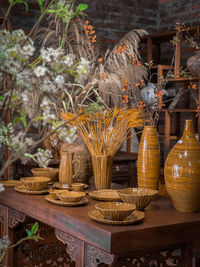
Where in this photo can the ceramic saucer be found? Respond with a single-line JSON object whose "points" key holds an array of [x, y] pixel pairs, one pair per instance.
{"points": [[135, 217], [22, 189], [61, 186], [105, 195], [49, 198], [11, 183]]}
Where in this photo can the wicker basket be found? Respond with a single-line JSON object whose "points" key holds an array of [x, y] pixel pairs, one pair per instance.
{"points": [[81, 153]]}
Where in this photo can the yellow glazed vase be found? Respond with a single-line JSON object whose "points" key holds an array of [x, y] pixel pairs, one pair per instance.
{"points": [[148, 163], [102, 171], [182, 171]]}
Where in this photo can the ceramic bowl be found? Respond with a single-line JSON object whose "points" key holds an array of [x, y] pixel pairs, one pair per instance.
{"points": [[41, 172], [52, 173], [35, 183], [78, 186], [54, 192], [70, 196], [141, 197], [115, 210]]}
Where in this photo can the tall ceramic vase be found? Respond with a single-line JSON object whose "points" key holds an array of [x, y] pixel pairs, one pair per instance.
{"points": [[182, 171], [102, 171], [148, 163]]}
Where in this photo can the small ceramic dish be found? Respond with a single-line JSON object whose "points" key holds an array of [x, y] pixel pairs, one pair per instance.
{"points": [[141, 197], [35, 183], [70, 196], [105, 195], [54, 192], [78, 187], [22, 189], [134, 217], [50, 199], [11, 183], [62, 186], [115, 210]]}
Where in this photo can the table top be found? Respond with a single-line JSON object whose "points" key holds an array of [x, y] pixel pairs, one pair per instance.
{"points": [[162, 225]]}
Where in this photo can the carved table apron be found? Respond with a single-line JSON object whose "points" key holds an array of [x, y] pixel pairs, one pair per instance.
{"points": [[164, 238]]}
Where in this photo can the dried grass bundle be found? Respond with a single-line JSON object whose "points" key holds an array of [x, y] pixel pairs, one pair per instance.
{"points": [[104, 132], [122, 62]]}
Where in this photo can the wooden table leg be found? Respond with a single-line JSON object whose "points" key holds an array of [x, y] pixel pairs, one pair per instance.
{"points": [[4, 232], [83, 254]]}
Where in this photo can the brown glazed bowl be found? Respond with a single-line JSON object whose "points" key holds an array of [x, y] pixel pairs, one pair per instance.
{"points": [[78, 187], [46, 172], [70, 196], [116, 211], [141, 197], [35, 183], [54, 192]]}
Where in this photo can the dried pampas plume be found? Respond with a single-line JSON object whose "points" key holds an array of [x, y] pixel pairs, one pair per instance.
{"points": [[122, 63]]}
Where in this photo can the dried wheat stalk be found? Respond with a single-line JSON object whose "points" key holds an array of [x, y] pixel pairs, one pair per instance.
{"points": [[104, 132]]}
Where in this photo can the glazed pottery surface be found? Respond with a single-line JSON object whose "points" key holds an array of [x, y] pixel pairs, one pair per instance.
{"points": [[66, 173], [115, 210], [148, 166], [182, 171], [35, 183], [102, 171], [46, 172], [141, 197]]}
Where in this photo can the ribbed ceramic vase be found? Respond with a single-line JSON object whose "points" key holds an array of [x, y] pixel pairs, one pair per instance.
{"points": [[148, 163], [182, 171], [102, 171]]}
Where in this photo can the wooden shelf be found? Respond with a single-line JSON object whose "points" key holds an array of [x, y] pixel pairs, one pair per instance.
{"points": [[173, 130], [178, 110], [171, 137], [183, 79], [166, 67]]}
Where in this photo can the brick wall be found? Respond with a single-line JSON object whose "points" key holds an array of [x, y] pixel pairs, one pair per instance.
{"points": [[112, 19], [173, 11]]}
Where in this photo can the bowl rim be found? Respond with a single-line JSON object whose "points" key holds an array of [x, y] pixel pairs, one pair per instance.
{"points": [[147, 192], [72, 194], [34, 179], [131, 206]]}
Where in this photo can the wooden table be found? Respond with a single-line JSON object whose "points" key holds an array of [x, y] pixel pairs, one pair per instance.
{"points": [[165, 234]]}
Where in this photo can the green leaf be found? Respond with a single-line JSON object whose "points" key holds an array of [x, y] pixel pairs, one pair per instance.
{"points": [[23, 119], [34, 228], [39, 118], [4, 129], [29, 232], [16, 120], [81, 7], [1, 97], [41, 2]]}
